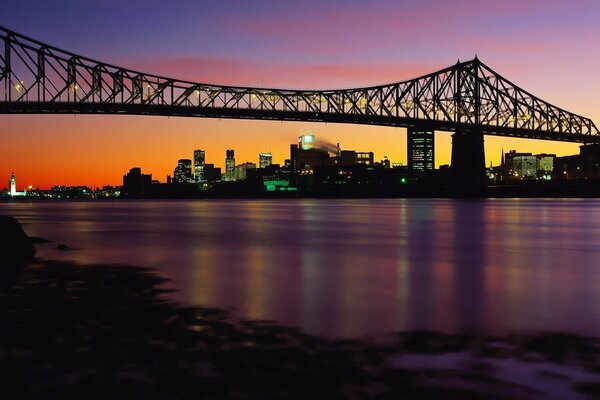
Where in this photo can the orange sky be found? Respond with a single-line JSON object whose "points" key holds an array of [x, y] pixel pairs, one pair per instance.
{"points": [[52, 150]]}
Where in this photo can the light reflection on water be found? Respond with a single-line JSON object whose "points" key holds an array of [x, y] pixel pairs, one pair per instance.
{"points": [[352, 267]]}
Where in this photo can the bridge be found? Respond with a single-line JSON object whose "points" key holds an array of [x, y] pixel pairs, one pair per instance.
{"points": [[468, 98]]}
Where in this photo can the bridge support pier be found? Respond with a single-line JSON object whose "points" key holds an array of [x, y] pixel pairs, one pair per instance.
{"points": [[467, 170]]}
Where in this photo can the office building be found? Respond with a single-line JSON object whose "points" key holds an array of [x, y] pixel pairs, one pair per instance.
{"points": [[212, 173], [265, 159], [421, 146], [545, 165], [229, 165], [183, 171], [364, 157], [136, 183], [199, 165], [241, 171]]}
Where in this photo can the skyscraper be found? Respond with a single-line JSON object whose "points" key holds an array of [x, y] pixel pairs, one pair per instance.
{"points": [[229, 165], [183, 171], [199, 165], [420, 149], [265, 159]]}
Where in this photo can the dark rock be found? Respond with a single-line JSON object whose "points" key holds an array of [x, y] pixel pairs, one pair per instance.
{"points": [[63, 247], [36, 240], [15, 245]]}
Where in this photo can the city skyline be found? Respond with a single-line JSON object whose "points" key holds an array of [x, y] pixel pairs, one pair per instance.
{"points": [[96, 149]]}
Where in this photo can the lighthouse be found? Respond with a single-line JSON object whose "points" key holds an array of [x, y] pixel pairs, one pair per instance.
{"points": [[13, 185]]}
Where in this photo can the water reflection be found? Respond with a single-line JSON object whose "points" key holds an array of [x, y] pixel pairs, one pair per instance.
{"points": [[352, 267]]}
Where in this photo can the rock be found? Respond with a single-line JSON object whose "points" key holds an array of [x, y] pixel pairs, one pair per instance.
{"points": [[36, 240], [15, 245], [63, 247]]}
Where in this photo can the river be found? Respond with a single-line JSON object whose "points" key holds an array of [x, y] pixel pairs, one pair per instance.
{"points": [[351, 268]]}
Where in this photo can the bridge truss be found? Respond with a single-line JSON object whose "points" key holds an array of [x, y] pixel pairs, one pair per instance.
{"points": [[39, 78]]}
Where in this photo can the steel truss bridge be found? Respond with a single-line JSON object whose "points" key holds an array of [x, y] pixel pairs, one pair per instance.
{"points": [[469, 96]]}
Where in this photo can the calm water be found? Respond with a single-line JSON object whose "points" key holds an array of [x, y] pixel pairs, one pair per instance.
{"points": [[352, 267]]}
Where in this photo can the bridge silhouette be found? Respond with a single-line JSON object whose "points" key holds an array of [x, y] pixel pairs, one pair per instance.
{"points": [[468, 98]]}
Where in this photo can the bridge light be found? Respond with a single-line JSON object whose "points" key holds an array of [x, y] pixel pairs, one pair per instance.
{"points": [[19, 86], [75, 86]]}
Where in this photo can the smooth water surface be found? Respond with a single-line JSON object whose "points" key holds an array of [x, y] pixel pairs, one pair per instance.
{"points": [[351, 267]]}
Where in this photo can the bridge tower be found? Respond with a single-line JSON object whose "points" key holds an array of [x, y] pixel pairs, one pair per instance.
{"points": [[467, 169]]}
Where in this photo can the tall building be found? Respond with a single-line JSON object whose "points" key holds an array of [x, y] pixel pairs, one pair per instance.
{"points": [[293, 158], [199, 165], [13, 185], [241, 171], [420, 149], [229, 165], [265, 159], [211, 173], [183, 171], [136, 183]]}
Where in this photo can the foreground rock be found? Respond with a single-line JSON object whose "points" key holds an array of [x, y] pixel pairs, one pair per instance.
{"points": [[15, 245], [108, 332]]}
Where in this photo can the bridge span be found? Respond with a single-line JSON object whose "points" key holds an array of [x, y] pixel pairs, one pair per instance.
{"points": [[467, 98]]}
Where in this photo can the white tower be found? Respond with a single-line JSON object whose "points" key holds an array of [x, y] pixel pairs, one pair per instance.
{"points": [[13, 185]]}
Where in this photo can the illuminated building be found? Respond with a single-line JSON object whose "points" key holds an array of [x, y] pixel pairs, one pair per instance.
{"points": [[229, 165], [13, 187], [293, 166], [241, 171], [363, 157], [385, 162], [420, 149], [306, 141], [183, 171], [545, 165], [199, 165], [524, 166], [265, 159]]}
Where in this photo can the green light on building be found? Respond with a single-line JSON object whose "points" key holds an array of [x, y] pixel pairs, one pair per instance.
{"points": [[277, 184]]}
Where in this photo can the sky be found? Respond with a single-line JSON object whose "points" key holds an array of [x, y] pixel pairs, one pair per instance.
{"points": [[548, 47]]}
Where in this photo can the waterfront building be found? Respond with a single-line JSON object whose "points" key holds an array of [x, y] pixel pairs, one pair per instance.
{"points": [[265, 159], [421, 149], [183, 171], [229, 165], [211, 173], [199, 158], [545, 165], [136, 183], [364, 157], [13, 187], [241, 171]]}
